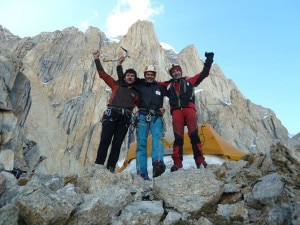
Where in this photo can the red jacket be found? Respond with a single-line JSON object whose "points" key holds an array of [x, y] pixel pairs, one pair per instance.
{"points": [[122, 96], [181, 91]]}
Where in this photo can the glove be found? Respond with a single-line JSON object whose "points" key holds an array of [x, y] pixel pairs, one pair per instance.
{"points": [[17, 172], [209, 57], [96, 54]]}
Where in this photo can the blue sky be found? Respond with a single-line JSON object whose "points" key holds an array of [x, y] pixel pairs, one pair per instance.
{"points": [[256, 42]]}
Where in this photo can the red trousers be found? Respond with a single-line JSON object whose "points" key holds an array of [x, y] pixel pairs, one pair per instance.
{"points": [[186, 117]]}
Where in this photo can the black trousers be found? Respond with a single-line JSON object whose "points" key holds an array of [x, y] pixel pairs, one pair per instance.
{"points": [[114, 128]]}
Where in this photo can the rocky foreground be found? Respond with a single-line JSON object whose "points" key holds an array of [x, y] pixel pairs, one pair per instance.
{"points": [[260, 189]]}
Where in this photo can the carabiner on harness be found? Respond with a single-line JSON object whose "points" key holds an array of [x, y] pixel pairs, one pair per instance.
{"points": [[148, 117], [108, 112]]}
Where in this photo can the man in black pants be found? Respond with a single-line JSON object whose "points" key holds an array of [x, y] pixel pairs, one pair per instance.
{"points": [[117, 117]]}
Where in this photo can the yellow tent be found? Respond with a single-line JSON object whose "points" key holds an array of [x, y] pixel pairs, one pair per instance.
{"points": [[212, 144]]}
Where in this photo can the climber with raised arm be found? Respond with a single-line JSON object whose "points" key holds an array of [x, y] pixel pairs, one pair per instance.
{"points": [[180, 91], [117, 116], [150, 120]]}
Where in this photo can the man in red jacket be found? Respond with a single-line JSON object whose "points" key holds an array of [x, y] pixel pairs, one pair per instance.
{"points": [[117, 116], [180, 91]]}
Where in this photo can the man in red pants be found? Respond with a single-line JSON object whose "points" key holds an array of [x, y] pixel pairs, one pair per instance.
{"points": [[180, 91]]}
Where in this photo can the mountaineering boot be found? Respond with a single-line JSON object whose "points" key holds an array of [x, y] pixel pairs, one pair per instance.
{"points": [[158, 168], [177, 158], [199, 165], [145, 177], [111, 169], [174, 168]]}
